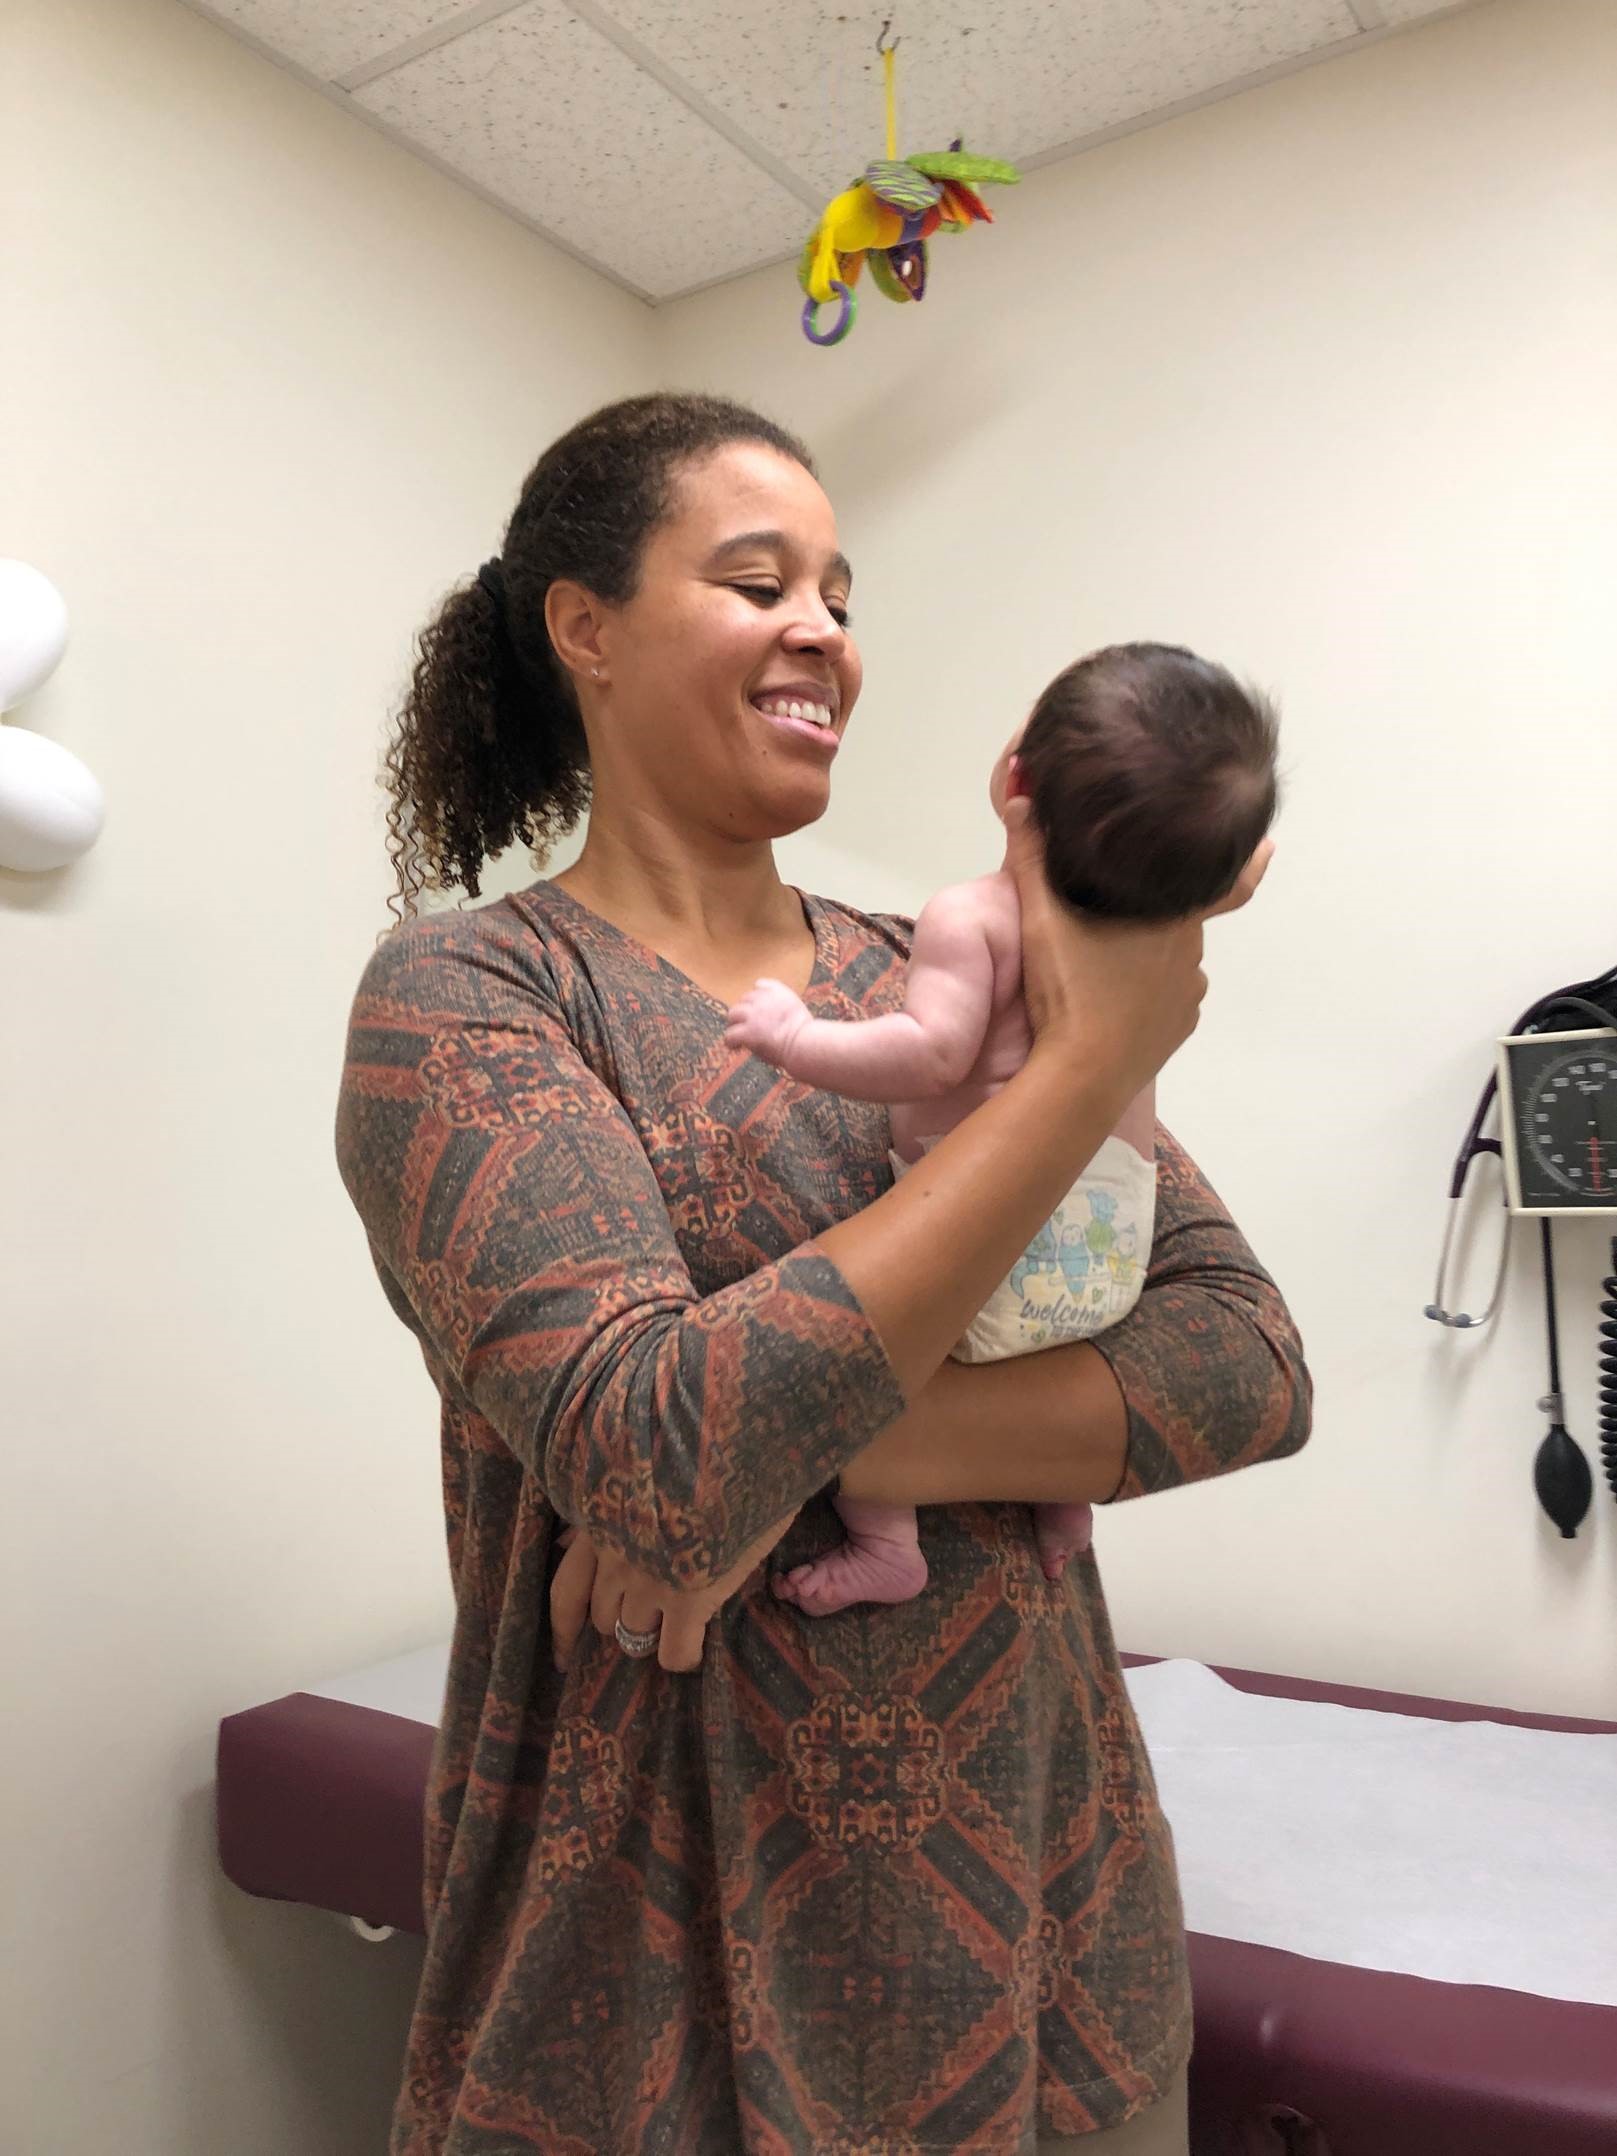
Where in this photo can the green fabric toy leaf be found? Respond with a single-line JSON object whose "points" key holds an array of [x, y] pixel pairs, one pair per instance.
{"points": [[887, 280], [961, 165]]}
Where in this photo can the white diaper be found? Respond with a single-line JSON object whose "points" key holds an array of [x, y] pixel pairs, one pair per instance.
{"points": [[1084, 1269]]}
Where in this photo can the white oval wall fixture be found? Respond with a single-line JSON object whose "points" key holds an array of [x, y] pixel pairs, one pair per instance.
{"points": [[33, 630], [51, 806]]}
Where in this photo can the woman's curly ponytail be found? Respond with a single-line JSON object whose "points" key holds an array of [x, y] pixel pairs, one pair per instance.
{"points": [[483, 754]]}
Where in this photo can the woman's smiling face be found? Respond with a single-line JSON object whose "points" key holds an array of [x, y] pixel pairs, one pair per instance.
{"points": [[729, 677]]}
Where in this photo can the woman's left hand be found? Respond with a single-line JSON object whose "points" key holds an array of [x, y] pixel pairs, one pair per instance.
{"points": [[605, 1589]]}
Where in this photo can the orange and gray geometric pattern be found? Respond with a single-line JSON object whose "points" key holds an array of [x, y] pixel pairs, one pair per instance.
{"points": [[889, 1883]]}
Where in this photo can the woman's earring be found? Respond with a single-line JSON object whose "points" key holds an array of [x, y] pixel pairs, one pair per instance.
{"points": [[595, 673]]}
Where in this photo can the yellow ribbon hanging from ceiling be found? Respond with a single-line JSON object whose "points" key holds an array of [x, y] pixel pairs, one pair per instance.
{"points": [[888, 59]]}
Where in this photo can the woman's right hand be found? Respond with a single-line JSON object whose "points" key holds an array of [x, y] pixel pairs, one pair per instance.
{"points": [[1126, 993], [597, 1586]]}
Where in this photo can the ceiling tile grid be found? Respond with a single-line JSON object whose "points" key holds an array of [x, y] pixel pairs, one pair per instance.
{"points": [[673, 143], [541, 110], [331, 40], [1016, 77]]}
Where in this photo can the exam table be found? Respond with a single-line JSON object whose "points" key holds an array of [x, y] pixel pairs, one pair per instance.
{"points": [[1402, 1911]]}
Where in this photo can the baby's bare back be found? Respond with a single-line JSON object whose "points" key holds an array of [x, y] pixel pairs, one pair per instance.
{"points": [[989, 905]]}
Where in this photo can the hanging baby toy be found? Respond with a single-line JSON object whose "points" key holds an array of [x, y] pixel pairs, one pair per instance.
{"points": [[890, 215]]}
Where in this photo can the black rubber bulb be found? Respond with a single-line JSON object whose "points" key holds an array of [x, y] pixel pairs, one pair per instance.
{"points": [[1562, 1479]]}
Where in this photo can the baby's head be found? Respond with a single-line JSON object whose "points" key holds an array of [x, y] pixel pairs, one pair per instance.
{"points": [[1152, 778]]}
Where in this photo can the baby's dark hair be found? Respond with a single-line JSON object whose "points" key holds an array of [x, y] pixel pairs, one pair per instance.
{"points": [[1152, 777], [488, 747]]}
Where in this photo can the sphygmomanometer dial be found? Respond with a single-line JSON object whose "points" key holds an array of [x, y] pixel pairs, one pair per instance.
{"points": [[1561, 1096]]}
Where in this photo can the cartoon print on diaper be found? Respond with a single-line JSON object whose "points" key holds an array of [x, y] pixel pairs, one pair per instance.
{"points": [[1081, 1271], [1039, 1255]]}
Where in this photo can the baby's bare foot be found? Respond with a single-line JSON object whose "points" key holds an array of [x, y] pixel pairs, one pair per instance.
{"points": [[873, 1571], [1061, 1532]]}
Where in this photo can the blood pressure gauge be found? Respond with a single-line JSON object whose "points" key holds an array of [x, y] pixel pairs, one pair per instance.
{"points": [[1558, 1100]]}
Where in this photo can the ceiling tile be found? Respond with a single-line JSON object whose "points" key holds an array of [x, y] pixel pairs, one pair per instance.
{"points": [[542, 111], [1017, 77], [333, 37], [1412, 10]]}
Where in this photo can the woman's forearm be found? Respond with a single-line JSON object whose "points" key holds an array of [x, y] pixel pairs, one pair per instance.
{"points": [[1049, 1428], [1205, 1375]]}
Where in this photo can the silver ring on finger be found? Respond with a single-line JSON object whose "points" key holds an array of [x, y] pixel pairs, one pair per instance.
{"points": [[637, 1645]]}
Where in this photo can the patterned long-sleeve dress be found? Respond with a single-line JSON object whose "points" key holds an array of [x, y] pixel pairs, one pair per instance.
{"points": [[884, 1883]]}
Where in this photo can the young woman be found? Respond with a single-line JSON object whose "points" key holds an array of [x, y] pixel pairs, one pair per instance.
{"points": [[705, 1875]]}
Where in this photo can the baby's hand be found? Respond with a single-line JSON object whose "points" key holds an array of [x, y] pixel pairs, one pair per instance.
{"points": [[767, 1021]]}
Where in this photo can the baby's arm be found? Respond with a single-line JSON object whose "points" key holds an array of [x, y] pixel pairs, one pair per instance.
{"points": [[925, 1049]]}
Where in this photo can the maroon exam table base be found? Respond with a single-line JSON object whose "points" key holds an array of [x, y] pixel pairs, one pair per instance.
{"points": [[320, 1802]]}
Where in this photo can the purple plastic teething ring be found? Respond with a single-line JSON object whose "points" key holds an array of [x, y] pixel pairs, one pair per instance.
{"points": [[840, 327]]}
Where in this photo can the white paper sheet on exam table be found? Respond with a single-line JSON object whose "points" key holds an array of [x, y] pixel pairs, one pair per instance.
{"points": [[1467, 1852]]}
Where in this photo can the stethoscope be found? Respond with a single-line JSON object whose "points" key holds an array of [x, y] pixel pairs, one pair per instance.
{"points": [[1561, 1474], [1475, 1143]]}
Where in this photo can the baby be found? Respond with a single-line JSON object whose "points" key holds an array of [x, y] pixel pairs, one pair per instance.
{"points": [[1152, 779]]}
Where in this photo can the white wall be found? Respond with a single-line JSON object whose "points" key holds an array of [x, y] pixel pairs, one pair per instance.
{"points": [[1318, 380], [268, 385]]}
